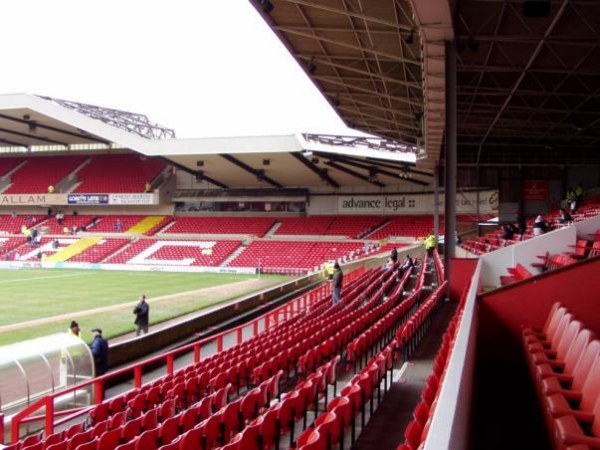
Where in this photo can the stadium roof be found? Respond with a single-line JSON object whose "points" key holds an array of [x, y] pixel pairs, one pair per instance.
{"points": [[527, 72], [30, 123]]}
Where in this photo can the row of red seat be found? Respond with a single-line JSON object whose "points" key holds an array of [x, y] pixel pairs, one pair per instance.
{"points": [[517, 273], [564, 362], [328, 428], [415, 434], [493, 241], [120, 173]]}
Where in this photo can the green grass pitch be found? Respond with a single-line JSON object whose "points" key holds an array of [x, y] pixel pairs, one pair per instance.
{"points": [[28, 295]]}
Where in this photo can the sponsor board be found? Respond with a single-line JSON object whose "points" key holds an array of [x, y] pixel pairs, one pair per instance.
{"points": [[87, 199], [416, 203], [131, 199]]}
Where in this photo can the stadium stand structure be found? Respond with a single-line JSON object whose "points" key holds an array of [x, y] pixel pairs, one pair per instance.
{"points": [[38, 173], [267, 390], [118, 173]]}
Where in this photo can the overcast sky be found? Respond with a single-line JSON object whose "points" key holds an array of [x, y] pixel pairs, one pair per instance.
{"points": [[204, 68]]}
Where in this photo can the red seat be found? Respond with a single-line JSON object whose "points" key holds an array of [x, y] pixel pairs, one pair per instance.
{"points": [[574, 374], [150, 419], [191, 439], [556, 355], [570, 432], [249, 405], [310, 439], [109, 439], [131, 429], [580, 405], [211, 431], [91, 445], [556, 313], [168, 430], [148, 440], [250, 437], [80, 438], [286, 414], [188, 419], [166, 409], [329, 426], [230, 419], [269, 429], [421, 412], [235, 443], [127, 446], [412, 434]]}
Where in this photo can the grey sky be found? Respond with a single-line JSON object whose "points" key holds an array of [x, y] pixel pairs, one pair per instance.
{"points": [[204, 68]]}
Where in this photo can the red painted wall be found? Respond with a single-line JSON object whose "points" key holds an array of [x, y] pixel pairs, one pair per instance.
{"points": [[502, 313], [461, 271]]}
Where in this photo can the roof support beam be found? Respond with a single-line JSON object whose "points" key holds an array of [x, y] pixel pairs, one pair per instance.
{"points": [[316, 170], [247, 168], [529, 64], [56, 130], [33, 136], [360, 176]]}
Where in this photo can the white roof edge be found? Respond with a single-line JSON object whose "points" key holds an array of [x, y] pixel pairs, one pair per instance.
{"points": [[73, 118], [157, 147]]}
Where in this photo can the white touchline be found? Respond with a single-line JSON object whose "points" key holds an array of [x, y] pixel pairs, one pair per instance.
{"points": [[46, 278]]}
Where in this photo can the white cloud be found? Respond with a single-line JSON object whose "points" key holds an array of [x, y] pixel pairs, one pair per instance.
{"points": [[203, 68]]}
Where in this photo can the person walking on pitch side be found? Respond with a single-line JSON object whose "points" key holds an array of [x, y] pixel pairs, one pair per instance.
{"points": [[142, 313]]}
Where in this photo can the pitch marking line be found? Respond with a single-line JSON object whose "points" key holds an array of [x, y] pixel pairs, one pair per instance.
{"points": [[18, 280]]}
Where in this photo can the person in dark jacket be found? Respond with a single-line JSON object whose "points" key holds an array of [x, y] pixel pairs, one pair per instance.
{"points": [[99, 347], [142, 313], [337, 281], [406, 265], [394, 255]]}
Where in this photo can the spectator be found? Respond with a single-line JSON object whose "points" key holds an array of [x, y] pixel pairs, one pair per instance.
{"points": [[142, 313], [406, 265], [66, 230], [539, 226], [565, 217], [49, 213], [50, 189], [388, 265], [337, 282], [329, 270], [59, 217], [99, 347], [430, 244], [13, 214], [521, 224], [74, 329], [508, 231], [55, 244], [394, 255], [118, 225], [571, 200], [148, 187], [74, 230]]}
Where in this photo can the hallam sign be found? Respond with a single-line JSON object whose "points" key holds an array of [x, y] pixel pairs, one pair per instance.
{"points": [[33, 199], [466, 203]]}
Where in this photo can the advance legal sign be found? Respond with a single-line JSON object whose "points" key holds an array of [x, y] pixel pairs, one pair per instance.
{"points": [[416, 203]]}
